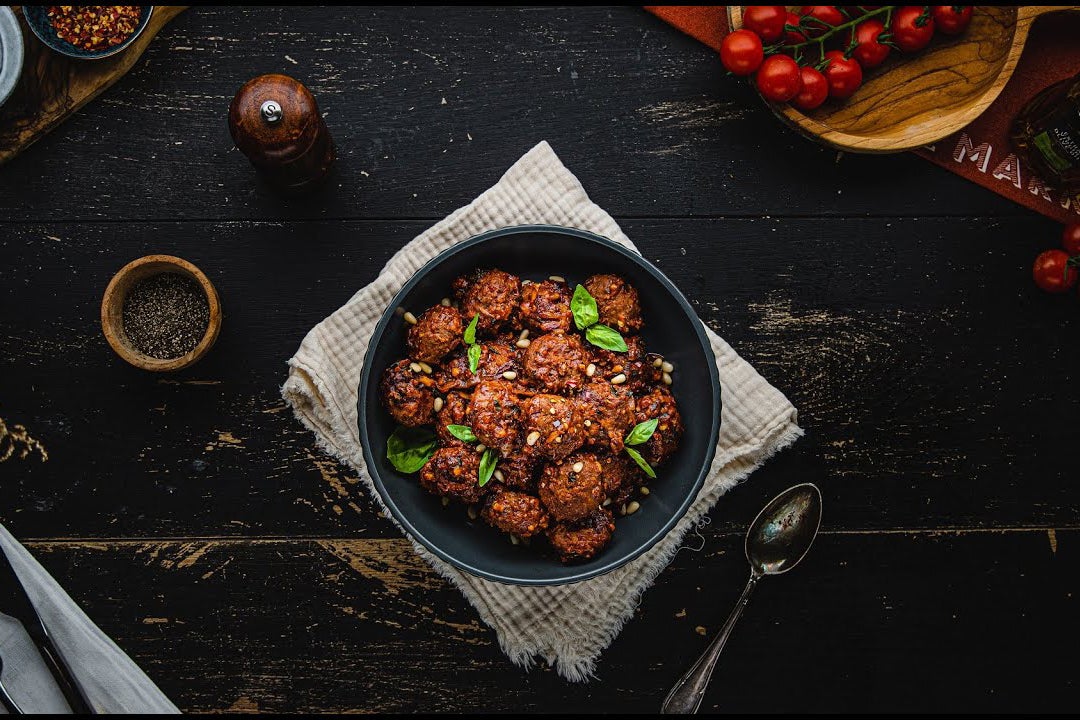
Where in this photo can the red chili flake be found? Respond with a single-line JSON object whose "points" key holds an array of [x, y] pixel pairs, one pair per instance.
{"points": [[94, 27]]}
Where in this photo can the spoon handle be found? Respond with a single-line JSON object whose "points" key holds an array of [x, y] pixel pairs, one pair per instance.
{"points": [[686, 696]]}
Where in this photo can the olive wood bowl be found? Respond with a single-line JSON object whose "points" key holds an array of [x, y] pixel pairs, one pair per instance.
{"points": [[917, 99], [112, 307]]}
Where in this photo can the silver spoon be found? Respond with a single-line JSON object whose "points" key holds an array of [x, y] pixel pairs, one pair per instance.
{"points": [[776, 541]]}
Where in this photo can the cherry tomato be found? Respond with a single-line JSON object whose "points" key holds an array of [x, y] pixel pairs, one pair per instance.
{"points": [[1070, 239], [778, 79], [826, 15], [907, 32], [1052, 271], [767, 21], [844, 75], [868, 51], [793, 37], [815, 89], [951, 19], [741, 52]]}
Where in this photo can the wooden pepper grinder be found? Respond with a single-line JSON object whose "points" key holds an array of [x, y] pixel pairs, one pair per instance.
{"points": [[275, 121]]}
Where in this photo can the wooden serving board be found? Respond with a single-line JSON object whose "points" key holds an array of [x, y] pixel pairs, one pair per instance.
{"points": [[53, 86]]}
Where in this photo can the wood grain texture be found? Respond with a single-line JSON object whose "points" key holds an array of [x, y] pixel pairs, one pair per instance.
{"points": [[918, 99], [924, 363], [643, 114], [346, 625], [53, 86]]}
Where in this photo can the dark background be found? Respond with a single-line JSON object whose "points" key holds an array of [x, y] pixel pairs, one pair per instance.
{"points": [[194, 520]]}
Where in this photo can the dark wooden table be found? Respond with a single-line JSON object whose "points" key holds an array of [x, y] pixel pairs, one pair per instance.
{"points": [[194, 520]]}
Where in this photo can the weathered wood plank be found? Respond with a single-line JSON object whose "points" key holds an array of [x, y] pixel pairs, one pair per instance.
{"points": [[428, 106], [928, 370], [362, 625]]}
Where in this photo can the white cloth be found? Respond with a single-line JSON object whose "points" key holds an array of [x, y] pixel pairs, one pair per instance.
{"points": [[567, 625], [113, 683]]}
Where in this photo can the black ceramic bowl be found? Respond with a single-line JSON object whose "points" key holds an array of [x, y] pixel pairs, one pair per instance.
{"points": [[38, 20], [671, 328]]}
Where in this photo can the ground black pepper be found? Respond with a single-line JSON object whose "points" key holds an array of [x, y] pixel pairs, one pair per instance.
{"points": [[166, 315]]}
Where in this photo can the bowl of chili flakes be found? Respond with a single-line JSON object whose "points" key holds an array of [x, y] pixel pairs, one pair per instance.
{"points": [[87, 32]]}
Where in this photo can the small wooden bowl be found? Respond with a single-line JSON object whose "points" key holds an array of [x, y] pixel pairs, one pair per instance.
{"points": [[112, 311], [918, 99]]}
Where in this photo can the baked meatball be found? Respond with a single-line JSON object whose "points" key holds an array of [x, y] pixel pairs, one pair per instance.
{"points": [[545, 306], [436, 332], [494, 296], [519, 471], [515, 512], [583, 539], [453, 472], [621, 476], [659, 403], [572, 489], [636, 364], [556, 362], [608, 414], [408, 396], [496, 357], [617, 301], [454, 411], [553, 426], [495, 416]]}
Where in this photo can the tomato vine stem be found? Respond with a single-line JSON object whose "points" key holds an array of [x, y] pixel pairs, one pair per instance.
{"points": [[820, 40]]}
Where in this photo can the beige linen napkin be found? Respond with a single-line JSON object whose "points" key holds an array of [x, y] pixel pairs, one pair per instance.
{"points": [[570, 625]]}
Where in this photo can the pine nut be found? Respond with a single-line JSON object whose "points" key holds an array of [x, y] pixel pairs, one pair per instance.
{"points": [[667, 378], [445, 501], [499, 475], [425, 367], [438, 404], [481, 448], [658, 362], [622, 509], [607, 501], [578, 467], [522, 344], [445, 302], [415, 367], [524, 334], [643, 490], [557, 278], [533, 437], [510, 375], [409, 318], [472, 512], [591, 370], [514, 540], [633, 507], [667, 367], [619, 379], [588, 423]]}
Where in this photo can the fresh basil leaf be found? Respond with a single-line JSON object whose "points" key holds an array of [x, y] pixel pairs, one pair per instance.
{"points": [[487, 465], [604, 337], [640, 461], [409, 449], [583, 305], [641, 432], [470, 332], [474, 358], [461, 432]]}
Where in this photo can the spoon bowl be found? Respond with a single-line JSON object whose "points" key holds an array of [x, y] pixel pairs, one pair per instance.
{"points": [[778, 540], [782, 533]]}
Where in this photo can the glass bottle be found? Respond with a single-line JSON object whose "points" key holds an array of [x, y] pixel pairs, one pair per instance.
{"points": [[1046, 134]]}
